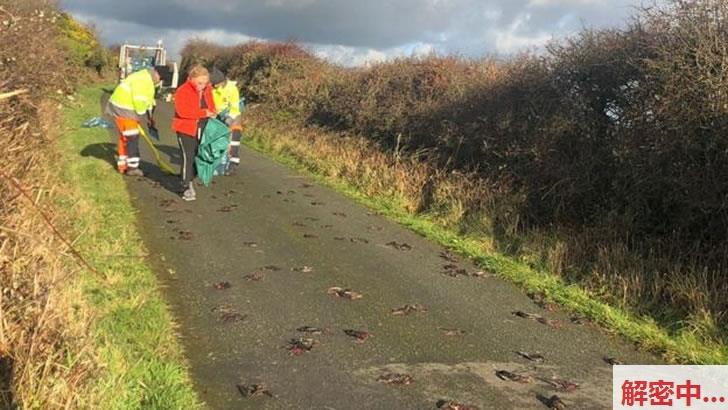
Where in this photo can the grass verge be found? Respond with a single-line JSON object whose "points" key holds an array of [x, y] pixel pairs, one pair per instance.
{"points": [[140, 360], [324, 157]]}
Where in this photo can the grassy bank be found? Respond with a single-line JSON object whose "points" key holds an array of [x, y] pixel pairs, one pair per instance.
{"points": [[386, 183], [138, 359]]}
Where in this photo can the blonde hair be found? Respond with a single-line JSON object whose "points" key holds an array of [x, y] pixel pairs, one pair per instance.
{"points": [[199, 71]]}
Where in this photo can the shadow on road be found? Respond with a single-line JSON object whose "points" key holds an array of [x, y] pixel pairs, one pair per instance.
{"points": [[106, 152]]}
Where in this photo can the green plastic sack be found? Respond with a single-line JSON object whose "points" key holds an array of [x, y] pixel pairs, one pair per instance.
{"points": [[212, 149]]}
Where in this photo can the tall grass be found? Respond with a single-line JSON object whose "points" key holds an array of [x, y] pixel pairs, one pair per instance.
{"points": [[604, 161]]}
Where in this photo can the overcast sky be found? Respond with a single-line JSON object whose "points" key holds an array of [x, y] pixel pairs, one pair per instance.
{"points": [[353, 32]]}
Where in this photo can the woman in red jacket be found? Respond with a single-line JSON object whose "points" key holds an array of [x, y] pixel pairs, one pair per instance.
{"points": [[193, 106]]}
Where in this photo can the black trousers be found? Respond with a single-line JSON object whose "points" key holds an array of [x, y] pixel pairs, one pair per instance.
{"points": [[188, 145]]}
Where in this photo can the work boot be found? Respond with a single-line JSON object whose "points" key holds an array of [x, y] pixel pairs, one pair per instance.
{"points": [[189, 193], [135, 172]]}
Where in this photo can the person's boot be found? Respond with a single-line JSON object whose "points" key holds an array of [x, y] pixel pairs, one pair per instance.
{"points": [[189, 194], [231, 169], [135, 172]]}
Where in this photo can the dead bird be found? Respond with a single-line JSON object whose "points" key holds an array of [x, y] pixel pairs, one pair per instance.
{"points": [[222, 285], [453, 331], [513, 377], [534, 357], [407, 309], [613, 361], [301, 345], [554, 323], [555, 403], [396, 378], [361, 336], [453, 405], [311, 330], [254, 390], [448, 256], [254, 277], [344, 293], [562, 385], [400, 246]]}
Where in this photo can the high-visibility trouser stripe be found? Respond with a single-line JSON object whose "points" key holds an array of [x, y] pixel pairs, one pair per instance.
{"points": [[234, 143], [130, 133], [133, 162], [234, 160]]}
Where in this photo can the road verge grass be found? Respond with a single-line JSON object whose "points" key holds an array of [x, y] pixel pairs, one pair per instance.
{"points": [[139, 358]]}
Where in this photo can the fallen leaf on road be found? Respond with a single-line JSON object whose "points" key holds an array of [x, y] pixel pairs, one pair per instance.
{"points": [[301, 345], [453, 405], [534, 357], [407, 309], [514, 377], [344, 293], [400, 246], [254, 390], [222, 285], [361, 336], [396, 378]]}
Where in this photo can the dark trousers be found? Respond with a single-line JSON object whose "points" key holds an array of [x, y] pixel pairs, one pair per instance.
{"points": [[188, 145]]}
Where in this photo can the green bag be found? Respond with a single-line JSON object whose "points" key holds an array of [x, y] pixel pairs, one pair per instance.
{"points": [[213, 146]]}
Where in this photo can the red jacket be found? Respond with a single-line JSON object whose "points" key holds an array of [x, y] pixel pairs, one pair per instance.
{"points": [[188, 109]]}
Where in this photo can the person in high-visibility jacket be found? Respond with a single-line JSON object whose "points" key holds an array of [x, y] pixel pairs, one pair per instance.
{"points": [[227, 101], [131, 101]]}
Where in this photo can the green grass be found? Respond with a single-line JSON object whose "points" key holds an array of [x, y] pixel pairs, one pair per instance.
{"points": [[141, 365], [684, 347]]}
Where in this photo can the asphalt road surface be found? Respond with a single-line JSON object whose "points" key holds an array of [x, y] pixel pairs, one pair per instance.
{"points": [[254, 258]]}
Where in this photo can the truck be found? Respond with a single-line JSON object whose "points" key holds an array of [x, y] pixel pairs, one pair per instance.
{"points": [[133, 57]]}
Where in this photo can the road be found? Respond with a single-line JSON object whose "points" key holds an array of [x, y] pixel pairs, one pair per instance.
{"points": [[253, 259]]}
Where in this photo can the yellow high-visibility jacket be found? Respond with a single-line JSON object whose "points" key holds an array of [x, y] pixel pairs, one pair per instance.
{"points": [[227, 98], [135, 93]]}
